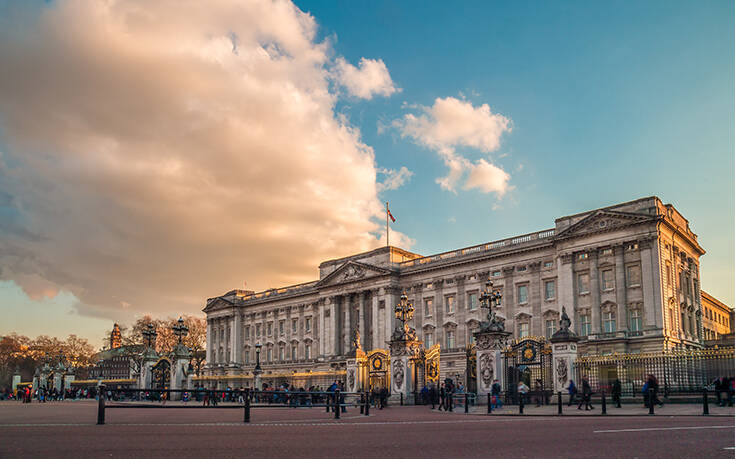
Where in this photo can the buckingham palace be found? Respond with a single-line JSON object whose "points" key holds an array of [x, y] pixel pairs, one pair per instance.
{"points": [[627, 275]]}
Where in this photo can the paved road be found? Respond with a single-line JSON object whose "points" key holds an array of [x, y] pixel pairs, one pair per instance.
{"points": [[67, 430]]}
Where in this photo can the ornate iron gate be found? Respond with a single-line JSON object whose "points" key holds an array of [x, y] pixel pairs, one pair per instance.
{"points": [[378, 362], [471, 369], [528, 360]]}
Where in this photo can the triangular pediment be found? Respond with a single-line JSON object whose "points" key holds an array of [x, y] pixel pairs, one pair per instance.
{"points": [[604, 220], [214, 304], [353, 271]]}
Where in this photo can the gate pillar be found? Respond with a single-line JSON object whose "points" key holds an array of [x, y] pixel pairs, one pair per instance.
{"points": [[179, 368], [145, 378], [564, 352], [489, 346], [402, 354], [355, 377]]}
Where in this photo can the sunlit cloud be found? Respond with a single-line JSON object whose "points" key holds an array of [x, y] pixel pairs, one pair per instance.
{"points": [[452, 123], [159, 153], [369, 78]]}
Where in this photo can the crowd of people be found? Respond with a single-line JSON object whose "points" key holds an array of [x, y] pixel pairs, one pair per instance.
{"points": [[26, 394]]}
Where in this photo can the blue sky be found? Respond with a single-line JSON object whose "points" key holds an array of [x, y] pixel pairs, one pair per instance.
{"points": [[608, 102]]}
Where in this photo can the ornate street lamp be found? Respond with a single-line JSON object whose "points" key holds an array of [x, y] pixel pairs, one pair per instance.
{"points": [[490, 299], [180, 329], [257, 356], [150, 334], [404, 312]]}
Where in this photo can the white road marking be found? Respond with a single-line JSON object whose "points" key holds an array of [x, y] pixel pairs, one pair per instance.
{"points": [[652, 429], [729, 447]]}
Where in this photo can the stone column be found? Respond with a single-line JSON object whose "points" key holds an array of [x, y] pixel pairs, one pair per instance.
{"points": [[390, 305], [565, 289], [237, 339], [375, 341], [489, 345], [361, 318], [210, 343], [620, 293], [16, 380], [508, 303], [321, 308], [594, 292]]}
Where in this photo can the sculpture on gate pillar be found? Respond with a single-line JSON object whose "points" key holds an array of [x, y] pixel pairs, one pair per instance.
{"points": [[490, 340], [404, 347], [564, 351]]}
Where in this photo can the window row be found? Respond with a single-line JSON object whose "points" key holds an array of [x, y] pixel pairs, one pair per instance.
{"points": [[284, 354], [257, 330], [607, 279]]}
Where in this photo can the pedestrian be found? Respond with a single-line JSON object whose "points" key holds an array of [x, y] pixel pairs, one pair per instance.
{"points": [[495, 390], [586, 395], [442, 397], [538, 392], [522, 392], [572, 389], [653, 384], [617, 391]]}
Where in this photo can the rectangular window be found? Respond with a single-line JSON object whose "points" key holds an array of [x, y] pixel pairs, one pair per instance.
{"points": [[608, 321], [522, 294], [281, 353], [583, 283], [522, 268], [269, 354], [246, 353], [307, 324], [634, 276], [636, 321], [270, 328], [257, 330], [496, 273], [550, 328], [549, 290], [523, 330], [585, 325], [607, 252], [472, 301], [582, 256], [247, 332], [633, 246], [450, 339], [428, 340], [294, 352], [608, 282], [428, 307], [294, 325], [307, 351], [281, 327], [449, 302], [668, 274], [471, 338], [548, 264]]}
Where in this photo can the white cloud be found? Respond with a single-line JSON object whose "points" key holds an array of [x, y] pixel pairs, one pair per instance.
{"points": [[160, 152], [452, 123], [394, 179], [371, 78]]}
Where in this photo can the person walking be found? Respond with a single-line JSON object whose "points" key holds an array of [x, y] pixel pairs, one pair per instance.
{"points": [[617, 391], [572, 389], [538, 392], [495, 390], [586, 395], [522, 392], [442, 397]]}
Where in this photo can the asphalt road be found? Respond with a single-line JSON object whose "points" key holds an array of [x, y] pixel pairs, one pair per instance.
{"points": [[68, 430]]}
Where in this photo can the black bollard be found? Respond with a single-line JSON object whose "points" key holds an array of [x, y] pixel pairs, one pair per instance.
{"points": [[558, 403], [326, 403], [705, 402], [362, 404], [489, 403], [650, 401], [101, 406], [367, 403], [520, 404], [336, 404], [246, 415], [466, 405], [401, 398], [604, 403]]}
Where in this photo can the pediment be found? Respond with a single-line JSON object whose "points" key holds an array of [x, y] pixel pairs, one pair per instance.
{"points": [[214, 304], [603, 221], [352, 271]]}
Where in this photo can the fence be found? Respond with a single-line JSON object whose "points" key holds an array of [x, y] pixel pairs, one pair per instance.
{"points": [[246, 400], [676, 371]]}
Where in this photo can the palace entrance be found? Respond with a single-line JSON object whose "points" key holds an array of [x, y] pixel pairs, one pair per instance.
{"points": [[162, 374], [528, 360], [378, 369]]}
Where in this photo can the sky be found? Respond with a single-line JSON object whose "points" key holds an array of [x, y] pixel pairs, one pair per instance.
{"points": [[157, 153]]}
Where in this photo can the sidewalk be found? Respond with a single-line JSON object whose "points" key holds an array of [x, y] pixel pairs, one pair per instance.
{"points": [[672, 409]]}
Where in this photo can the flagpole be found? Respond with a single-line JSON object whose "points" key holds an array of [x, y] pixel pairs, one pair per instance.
{"points": [[387, 226]]}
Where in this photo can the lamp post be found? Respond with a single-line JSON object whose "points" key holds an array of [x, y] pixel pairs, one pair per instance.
{"points": [[150, 334], [180, 330], [490, 299], [257, 371], [404, 312]]}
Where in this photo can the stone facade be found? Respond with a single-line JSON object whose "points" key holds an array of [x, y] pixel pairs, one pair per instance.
{"points": [[628, 275], [717, 318]]}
